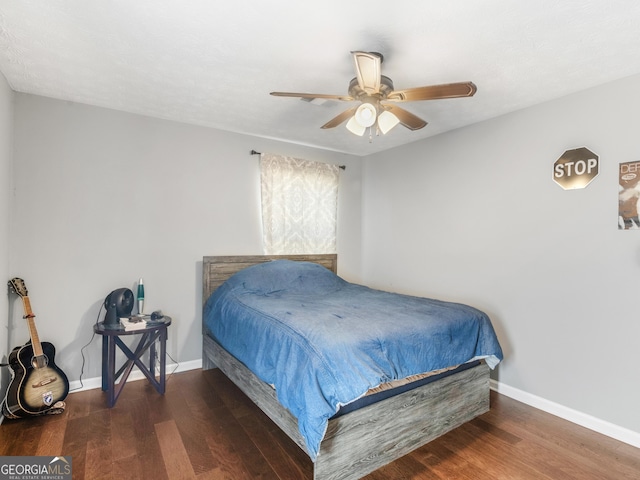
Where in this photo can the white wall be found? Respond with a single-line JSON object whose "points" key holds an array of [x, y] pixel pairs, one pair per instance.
{"points": [[474, 216], [105, 197], [6, 134]]}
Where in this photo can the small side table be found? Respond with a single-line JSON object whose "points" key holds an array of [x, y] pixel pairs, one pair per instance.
{"points": [[148, 337]]}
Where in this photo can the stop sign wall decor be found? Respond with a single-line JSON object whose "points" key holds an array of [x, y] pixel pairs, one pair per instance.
{"points": [[575, 168]]}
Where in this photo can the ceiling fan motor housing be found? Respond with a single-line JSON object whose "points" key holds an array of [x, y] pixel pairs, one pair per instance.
{"points": [[386, 87]]}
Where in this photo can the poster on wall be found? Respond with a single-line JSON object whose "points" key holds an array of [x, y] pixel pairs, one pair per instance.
{"points": [[628, 196]]}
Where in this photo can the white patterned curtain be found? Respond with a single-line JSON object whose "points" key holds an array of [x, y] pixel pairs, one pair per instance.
{"points": [[299, 205]]}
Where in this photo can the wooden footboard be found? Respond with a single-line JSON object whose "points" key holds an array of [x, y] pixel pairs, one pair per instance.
{"points": [[364, 440]]}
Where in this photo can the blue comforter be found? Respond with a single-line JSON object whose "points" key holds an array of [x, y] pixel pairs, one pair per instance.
{"points": [[323, 342]]}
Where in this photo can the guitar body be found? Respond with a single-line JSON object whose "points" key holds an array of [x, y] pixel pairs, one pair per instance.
{"points": [[37, 385], [34, 390]]}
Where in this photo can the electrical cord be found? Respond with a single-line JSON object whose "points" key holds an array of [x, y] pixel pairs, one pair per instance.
{"points": [[168, 375], [82, 352]]}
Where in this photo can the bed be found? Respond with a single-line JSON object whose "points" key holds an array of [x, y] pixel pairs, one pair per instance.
{"points": [[362, 440]]}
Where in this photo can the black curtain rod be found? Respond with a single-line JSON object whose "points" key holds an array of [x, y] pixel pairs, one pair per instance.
{"points": [[253, 152]]}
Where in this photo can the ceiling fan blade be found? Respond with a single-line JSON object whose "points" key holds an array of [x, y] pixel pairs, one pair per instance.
{"points": [[368, 71], [433, 92], [334, 122], [343, 98], [406, 118]]}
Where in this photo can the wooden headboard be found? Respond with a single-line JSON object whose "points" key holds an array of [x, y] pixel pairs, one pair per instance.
{"points": [[216, 270]]}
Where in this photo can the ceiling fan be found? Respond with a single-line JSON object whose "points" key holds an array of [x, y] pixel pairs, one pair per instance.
{"points": [[378, 99]]}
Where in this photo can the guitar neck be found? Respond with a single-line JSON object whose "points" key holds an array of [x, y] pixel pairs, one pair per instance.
{"points": [[31, 323]]}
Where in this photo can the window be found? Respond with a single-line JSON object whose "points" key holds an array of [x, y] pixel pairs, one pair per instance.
{"points": [[299, 205]]}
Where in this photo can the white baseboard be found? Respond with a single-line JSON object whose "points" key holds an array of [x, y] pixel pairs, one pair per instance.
{"points": [[96, 382], [592, 423]]}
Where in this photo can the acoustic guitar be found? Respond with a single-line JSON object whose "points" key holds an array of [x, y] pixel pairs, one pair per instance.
{"points": [[37, 385]]}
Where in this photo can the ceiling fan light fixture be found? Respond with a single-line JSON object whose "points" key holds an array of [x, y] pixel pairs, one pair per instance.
{"points": [[386, 121], [366, 115], [354, 127]]}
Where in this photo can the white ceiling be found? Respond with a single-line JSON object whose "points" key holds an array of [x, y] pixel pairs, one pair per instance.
{"points": [[213, 63]]}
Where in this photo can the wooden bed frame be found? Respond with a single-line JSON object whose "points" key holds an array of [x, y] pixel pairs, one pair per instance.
{"points": [[364, 440]]}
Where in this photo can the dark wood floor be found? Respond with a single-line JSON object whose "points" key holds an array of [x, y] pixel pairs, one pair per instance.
{"points": [[205, 428]]}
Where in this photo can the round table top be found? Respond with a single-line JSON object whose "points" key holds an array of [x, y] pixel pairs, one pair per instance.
{"points": [[152, 325]]}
